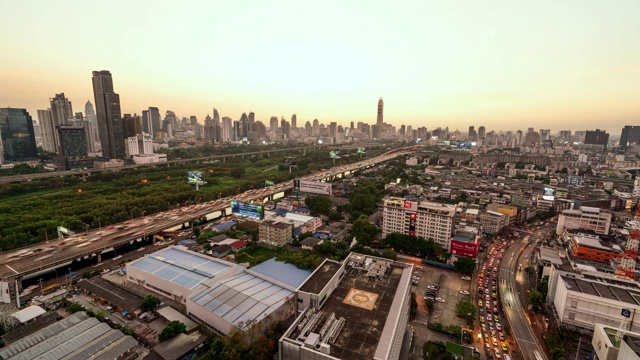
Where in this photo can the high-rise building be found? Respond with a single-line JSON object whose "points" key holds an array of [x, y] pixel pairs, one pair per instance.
{"points": [[596, 137], [171, 118], [425, 219], [17, 139], [90, 115], [217, 129], [519, 137], [630, 135], [61, 112], [545, 134], [273, 124], [482, 133], [227, 128], [132, 125], [155, 120], [565, 134], [108, 115], [472, 136], [308, 130], [47, 130], [294, 121], [316, 127], [73, 142], [146, 123], [380, 117]]}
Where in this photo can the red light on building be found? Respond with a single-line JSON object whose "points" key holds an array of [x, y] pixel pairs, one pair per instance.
{"points": [[407, 204], [412, 216]]}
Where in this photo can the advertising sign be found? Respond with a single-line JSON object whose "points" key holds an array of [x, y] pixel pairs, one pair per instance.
{"points": [[463, 248], [312, 187], [361, 150], [195, 177], [549, 193], [334, 154], [290, 161], [249, 210]]}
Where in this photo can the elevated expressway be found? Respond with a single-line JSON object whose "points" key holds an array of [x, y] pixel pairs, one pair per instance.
{"points": [[31, 261]]}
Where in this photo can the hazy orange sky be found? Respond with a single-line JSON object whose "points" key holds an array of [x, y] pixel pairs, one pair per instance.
{"points": [[506, 65]]}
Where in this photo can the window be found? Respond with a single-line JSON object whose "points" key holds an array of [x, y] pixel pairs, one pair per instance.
{"points": [[572, 316], [574, 303]]}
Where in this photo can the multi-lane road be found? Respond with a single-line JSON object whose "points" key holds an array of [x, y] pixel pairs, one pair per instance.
{"points": [[37, 258], [511, 274]]}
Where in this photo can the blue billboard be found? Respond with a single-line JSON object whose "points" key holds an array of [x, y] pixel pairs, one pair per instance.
{"points": [[249, 210]]}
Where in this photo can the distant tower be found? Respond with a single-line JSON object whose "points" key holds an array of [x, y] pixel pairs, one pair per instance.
{"points": [[380, 118], [17, 139], [294, 121], [61, 112], [108, 115]]}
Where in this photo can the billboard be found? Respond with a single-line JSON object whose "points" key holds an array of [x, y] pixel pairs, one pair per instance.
{"points": [[249, 210], [549, 193], [312, 187], [464, 248], [361, 150], [195, 177], [290, 161], [334, 154]]}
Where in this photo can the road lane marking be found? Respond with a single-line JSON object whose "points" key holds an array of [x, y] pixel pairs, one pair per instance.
{"points": [[12, 269]]}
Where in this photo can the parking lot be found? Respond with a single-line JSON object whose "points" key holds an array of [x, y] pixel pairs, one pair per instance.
{"points": [[449, 284]]}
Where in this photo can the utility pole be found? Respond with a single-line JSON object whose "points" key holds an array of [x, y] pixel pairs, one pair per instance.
{"points": [[578, 351]]}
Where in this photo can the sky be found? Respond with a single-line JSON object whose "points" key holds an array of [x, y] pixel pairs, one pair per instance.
{"points": [[506, 65]]}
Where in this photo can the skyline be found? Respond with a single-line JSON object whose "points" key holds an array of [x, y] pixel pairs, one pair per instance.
{"points": [[562, 66]]}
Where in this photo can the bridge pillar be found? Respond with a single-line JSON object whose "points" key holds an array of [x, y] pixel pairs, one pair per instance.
{"points": [[99, 258]]}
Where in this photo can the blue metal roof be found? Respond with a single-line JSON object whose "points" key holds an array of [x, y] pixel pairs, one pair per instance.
{"points": [[281, 212], [225, 225], [285, 273]]}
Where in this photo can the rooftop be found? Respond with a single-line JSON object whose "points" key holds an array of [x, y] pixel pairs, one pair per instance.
{"points": [[112, 293], [77, 337], [287, 274], [320, 277], [178, 346], [591, 242], [364, 321], [241, 298], [603, 289], [184, 268], [28, 313]]}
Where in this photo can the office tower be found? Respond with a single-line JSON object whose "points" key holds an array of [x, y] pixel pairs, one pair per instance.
{"points": [[308, 130], [193, 120], [294, 121], [273, 124], [155, 120], [108, 115], [139, 145], [519, 137], [226, 129], [532, 138], [252, 118], [579, 135], [565, 134], [284, 127], [472, 136], [61, 112], [596, 137], [132, 126], [171, 118], [316, 127], [244, 125], [16, 135], [73, 142], [217, 129], [146, 123], [89, 130], [380, 117], [236, 131], [90, 115], [351, 126], [208, 129], [545, 134], [482, 132], [46, 129], [333, 130], [630, 135]]}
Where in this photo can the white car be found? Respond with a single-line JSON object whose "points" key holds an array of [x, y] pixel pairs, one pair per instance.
{"points": [[466, 278], [439, 299], [464, 292]]}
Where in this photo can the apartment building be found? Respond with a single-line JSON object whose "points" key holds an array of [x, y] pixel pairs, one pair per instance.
{"points": [[425, 219], [590, 218]]}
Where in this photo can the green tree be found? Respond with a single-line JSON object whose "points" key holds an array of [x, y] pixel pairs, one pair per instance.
{"points": [[74, 308], [237, 172], [173, 328], [543, 286], [466, 310], [196, 231], [319, 204], [465, 265], [389, 254], [150, 302], [536, 299], [363, 230]]}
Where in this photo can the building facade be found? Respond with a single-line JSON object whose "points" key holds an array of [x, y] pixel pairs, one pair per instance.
{"points": [[17, 138], [108, 116], [585, 218], [275, 234], [425, 219]]}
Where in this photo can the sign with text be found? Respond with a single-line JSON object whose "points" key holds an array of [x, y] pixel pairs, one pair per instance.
{"points": [[313, 187], [249, 210], [463, 248]]}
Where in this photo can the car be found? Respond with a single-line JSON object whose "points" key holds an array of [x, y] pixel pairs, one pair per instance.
{"points": [[502, 336], [480, 302], [439, 299], [484, 327], [496, 317], [429, 298], [489, 318], [464, 292], [481, 310], [414, 282], [497, 354], [482, 319], [487, 346], [504, 346], [466, 278], [495, 308], [498, 326], [433, 287], [494, 341]]}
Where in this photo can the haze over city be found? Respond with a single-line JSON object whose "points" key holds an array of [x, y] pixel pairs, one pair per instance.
{"points": [[502, 64]]}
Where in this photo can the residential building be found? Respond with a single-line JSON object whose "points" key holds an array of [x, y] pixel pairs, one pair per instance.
{"points": [[589, 218], [275, 234], [574, 180], [425, 219], [17, 138], [592, 248], [333, 309], [492, 222], [47, 130]]}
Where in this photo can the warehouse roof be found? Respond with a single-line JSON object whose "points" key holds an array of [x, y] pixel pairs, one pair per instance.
{"points": [[111, 293]]}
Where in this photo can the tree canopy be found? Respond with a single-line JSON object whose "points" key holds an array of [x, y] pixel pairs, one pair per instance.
{"points": [[150, 302], [465, 265], [172, 329]]}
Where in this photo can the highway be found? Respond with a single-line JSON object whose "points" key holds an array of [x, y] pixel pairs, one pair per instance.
{"points": [[515, 256], [43, 256], [31, 177]]}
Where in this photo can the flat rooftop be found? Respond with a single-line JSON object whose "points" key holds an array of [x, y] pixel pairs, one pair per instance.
{"points": [[112, 293], [184, 268], [320, 277], [603, 289], [287, 274], [364, 322]]}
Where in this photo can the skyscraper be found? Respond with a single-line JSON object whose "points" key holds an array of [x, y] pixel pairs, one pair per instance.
{"points": [[171, 118], [294, 121], [16, 135], [226, 129], [90, 116], [630, 135], [482, 132], [131, 125], [47, 129], [108, 115], [596, 137], [380, 118], [316, 127], [73, 144], [472, 134], [545, 134], [61, 112], [144, 119], [273, 124], [155, 120]]}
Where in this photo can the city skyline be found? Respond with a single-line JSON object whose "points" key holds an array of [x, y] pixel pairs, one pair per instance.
{"points": [[436, 64]]}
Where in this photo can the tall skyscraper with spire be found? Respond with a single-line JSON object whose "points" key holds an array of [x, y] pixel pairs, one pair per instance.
{"points": [[380, 118], [108, 115]]}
